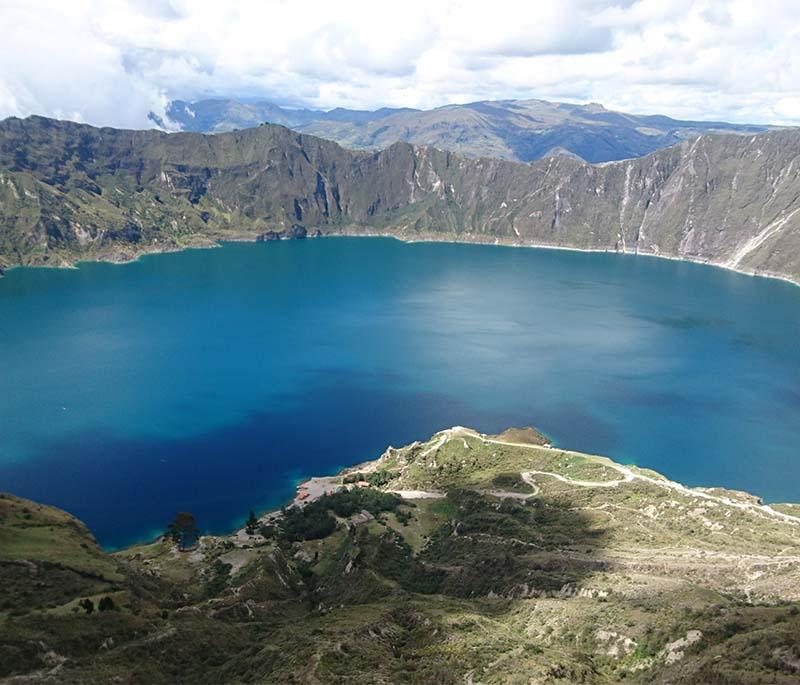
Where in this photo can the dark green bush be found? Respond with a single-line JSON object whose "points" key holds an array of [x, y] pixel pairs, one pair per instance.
{"points": [[314, 521], [511, 481], [376, 479], [219, 576], [349, 502], [307, 523]]}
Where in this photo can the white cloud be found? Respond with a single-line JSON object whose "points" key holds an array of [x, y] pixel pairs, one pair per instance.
{"points": [[112, 61]]}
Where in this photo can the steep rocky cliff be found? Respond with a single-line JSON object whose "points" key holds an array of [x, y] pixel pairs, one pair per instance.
{"points": [[71, 191]]}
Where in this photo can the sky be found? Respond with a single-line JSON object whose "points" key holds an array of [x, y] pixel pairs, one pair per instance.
{"points": [[111, 62]]}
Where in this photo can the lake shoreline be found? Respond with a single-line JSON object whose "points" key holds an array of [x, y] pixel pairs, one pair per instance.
{"points": [[497, 305], [316, 486], [448, 238]]}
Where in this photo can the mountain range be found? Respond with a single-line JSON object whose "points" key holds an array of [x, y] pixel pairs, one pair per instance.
{"points": [[519, 130], [70, 191]]}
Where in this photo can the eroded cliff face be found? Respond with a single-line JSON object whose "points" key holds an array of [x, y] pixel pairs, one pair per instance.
{"points": [[729, 200], [72, 191]]}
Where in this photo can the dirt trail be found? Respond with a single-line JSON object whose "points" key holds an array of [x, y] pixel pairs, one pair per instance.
{"points": [[628, 476], [526, 476], [418, 494]]}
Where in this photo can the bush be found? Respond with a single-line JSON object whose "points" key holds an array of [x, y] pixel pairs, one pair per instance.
{"points": [[268, 530], [512, 482], [392, 557], [376, 479], [349, 502], [314, 521], [307, 523], [219, 576]]}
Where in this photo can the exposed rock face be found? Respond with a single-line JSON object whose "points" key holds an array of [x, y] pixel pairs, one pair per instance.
{"points": [[71, 190], [296, 232]]}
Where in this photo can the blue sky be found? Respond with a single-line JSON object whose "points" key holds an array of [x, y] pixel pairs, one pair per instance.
{"points": [[112, 62]]}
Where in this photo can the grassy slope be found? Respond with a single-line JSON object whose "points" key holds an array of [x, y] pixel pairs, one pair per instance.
{"points": [[69, 191], [572, 584]]}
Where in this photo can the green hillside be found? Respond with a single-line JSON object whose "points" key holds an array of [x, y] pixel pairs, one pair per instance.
{"points": [[70, 191], [465, 558]]}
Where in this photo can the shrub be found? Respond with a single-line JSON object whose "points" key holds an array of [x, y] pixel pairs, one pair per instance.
{"points": [[268, 530], [376, 479], [307, 523], [314, 521], [349, 502], [220, 573], [512, 482]]}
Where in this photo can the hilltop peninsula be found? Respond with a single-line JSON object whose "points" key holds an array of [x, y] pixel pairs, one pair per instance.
{"points": [[463, 558]]}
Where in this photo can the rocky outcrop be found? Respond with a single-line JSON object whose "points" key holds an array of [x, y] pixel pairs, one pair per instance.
{"points": [[296, 232], [724, 199]]}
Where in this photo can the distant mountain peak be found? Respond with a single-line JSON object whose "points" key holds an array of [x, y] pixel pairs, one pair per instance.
{"points": [[519, 130], [594, 107]]}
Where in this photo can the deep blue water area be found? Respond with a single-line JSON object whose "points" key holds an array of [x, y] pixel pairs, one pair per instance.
{"points": [[212, 380]]}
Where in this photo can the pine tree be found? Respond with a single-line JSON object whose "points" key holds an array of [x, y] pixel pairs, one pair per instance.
{"points": [[183, 530], [252, 523]]}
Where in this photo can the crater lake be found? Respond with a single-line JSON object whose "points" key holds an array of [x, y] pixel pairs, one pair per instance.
{"points": [[213, 380]]}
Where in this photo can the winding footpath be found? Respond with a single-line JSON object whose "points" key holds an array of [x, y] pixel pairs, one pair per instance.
{"points": [[628, 476]]}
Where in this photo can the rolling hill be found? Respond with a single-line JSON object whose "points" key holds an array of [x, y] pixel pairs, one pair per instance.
{"points": [[519, 130]]}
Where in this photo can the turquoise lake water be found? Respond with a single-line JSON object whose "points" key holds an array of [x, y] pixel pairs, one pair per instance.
{"points": [[212, 380]]}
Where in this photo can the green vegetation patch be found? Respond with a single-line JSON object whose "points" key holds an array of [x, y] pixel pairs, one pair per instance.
{"points": [[377, 479], [570, 585], [314, 520], [512, 482], [35, 532]]}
